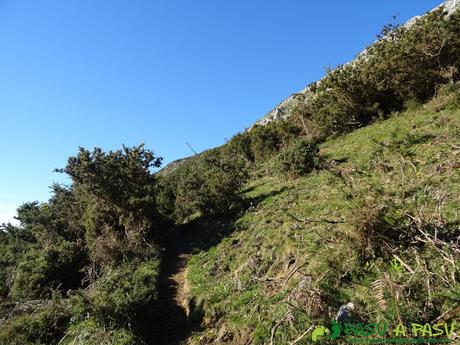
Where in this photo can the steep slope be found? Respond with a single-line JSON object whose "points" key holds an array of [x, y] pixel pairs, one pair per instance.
{"points": [[285, 109], [378, 225]]}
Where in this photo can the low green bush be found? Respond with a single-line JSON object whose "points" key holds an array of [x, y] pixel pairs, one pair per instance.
{"points": [[209, 185], [299, 159], [40, 271], [125, 295], [41, 324]]}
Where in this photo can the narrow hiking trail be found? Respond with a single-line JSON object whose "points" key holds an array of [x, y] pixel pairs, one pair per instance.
{"points": [[178, 280], [176, 327]]}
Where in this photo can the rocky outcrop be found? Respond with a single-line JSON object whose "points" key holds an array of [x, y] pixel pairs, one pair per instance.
{"points": [[172, 166], [285, 108]]}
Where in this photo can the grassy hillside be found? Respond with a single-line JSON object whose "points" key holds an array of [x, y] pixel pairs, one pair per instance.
{"points": [[353, 198], [378, 225]]}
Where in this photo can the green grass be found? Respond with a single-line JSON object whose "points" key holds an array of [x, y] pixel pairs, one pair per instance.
{"points": [[384, 184], [89, 332]]}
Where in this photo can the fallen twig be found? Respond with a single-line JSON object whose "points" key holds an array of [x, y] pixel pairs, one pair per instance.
{"points": [[301, 336], [310, 220], [406, 266], [293, 272], [447, 315], [273, 331]]}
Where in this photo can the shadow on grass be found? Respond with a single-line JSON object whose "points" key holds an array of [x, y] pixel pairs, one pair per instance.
{"points": [[203, 232], [178, 317]]}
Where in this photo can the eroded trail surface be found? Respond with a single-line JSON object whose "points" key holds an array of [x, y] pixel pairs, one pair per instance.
{"points": [[175, 325]]}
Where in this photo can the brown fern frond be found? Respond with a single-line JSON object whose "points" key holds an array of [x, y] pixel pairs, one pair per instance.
{"points": [[378, 287]]}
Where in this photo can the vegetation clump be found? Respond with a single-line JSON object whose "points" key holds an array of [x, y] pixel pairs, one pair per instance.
{"points": [[300, 158]]}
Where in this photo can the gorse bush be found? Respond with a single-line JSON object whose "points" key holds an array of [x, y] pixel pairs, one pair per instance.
{"points": [[300, 158], [210, 185], [41, 270], [122, 177], [268, 140], [124, 296], [239, 147], [117, 191], [42, 323], [106, 218], [265, 142], [13, 245]]}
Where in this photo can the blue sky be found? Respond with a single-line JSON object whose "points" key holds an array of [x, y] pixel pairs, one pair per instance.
{"points": [[111, 72]]}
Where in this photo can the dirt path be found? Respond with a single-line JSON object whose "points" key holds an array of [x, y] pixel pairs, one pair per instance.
{"points": [[178, 281], [172, 293]]}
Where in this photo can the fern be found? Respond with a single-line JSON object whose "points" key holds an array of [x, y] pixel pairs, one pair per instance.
{"points": [[378, 287]]}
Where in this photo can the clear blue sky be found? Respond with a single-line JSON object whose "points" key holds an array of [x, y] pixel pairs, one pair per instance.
{"points": [[106, 73]]}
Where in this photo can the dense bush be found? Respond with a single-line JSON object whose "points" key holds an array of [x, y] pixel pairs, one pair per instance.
{"points": [[40, 271], [117, 191], [13, 244], [125, 295], [299, 159], [264, 141], [210, 185], [268, 140], [107, 217], [58, 219], [239, 147]]}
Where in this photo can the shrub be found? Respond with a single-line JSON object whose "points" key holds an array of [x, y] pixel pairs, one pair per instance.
{"points": [[210, 185], [39, 271], [117, 192], [370, 227], [239, 147], [265, 141], [58, 219], [166, 196], [299, 159], [126, 295], [14, 242], [448, 96], [40, 325]]}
